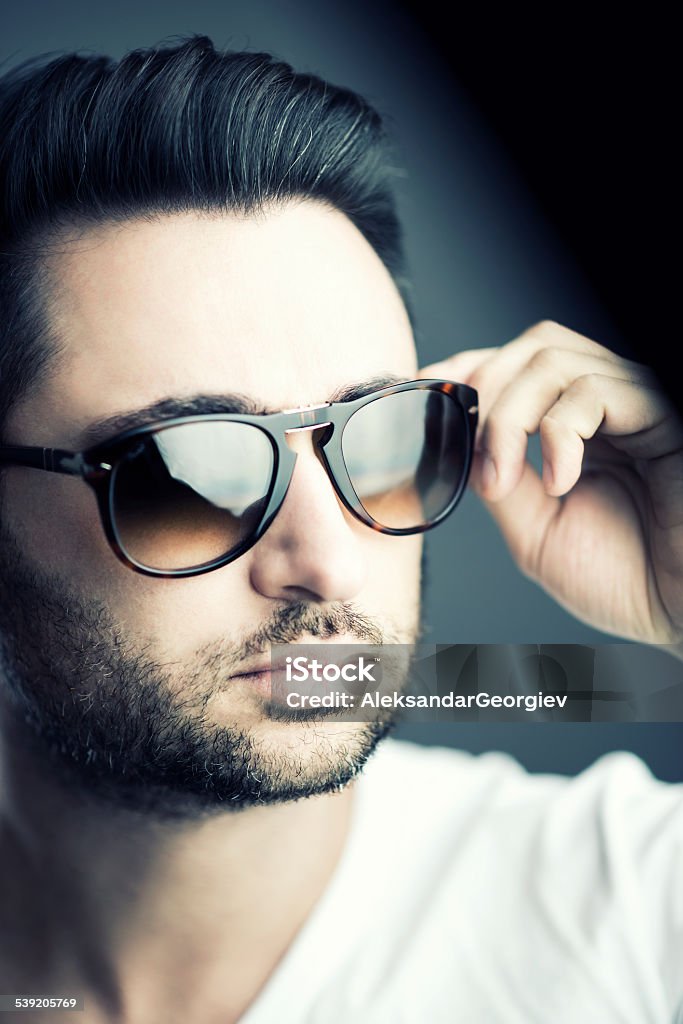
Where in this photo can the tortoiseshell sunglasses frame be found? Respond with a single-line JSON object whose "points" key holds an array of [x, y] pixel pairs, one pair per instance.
{"points": [[95, 465]]}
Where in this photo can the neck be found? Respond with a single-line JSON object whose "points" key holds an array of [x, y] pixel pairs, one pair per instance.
{"points": [[133, 910]]}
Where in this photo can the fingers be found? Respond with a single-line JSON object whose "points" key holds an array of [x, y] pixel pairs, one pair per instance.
{"points": [[609, 502], [525, 517], [591, 402], [524, 402], [491, 369], [462, 365], [546, 346], [635, 418], [569, 388]]}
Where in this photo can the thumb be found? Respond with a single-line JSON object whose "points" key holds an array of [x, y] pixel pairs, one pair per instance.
{"points": [[524, 515]]}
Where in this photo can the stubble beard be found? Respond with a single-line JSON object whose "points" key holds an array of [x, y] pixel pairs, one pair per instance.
{"points": [[122, 728]]}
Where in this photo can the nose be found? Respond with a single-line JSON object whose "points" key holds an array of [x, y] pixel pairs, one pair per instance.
{"points": [[311, 551]]}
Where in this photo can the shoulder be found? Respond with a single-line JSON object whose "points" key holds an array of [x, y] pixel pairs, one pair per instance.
{"points": [[618, 779], [616, 803], [597, 857]]}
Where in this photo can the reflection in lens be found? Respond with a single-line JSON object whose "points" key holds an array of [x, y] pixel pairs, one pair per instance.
{"points": [[406, 456], [191, 493]]}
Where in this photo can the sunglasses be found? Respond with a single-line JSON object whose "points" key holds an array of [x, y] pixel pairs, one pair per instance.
{"points": [[183, 496]]}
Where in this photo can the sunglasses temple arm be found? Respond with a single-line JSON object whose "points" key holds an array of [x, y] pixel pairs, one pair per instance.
{"points": [[53, 460]]}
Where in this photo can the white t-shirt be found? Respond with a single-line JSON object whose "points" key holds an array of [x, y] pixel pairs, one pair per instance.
{"points": [[473, 892]]}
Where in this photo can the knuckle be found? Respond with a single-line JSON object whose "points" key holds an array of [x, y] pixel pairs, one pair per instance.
{"points": [[543, 333], [546, 358], [586, 384], [524, 341], [550, 424], [545, 327]]}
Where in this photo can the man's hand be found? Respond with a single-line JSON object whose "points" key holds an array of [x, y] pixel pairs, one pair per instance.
{"points": [[602, 531]]}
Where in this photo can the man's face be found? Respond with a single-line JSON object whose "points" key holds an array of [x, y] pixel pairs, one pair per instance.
{"points": [[131, 675]]}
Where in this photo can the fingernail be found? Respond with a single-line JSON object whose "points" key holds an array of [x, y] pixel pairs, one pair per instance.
{"points": [[488, 471]]}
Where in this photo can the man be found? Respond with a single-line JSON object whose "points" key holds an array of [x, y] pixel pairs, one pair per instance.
{"points": [[189, 235]]}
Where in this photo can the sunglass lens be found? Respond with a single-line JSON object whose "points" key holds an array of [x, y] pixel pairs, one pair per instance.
{"points": [[406, 454], [188, 494]]}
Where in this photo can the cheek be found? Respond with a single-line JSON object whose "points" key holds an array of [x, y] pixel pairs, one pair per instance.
{"points": [[175, 618], [55, 521], [178, 617], [393, 582], [56, 524]]}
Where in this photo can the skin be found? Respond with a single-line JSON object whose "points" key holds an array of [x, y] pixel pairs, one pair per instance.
{"points": [[184, 306], [285, 307], [602, 529]]}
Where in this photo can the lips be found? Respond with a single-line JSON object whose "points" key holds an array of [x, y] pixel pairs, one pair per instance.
{"points": [[266, 666]]}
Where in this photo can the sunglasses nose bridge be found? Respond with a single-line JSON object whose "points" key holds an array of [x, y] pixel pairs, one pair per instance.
{"points": [[317, 431], [307, 419]]}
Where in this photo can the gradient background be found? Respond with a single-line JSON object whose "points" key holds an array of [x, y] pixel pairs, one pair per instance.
{"points": [[500, 234]]}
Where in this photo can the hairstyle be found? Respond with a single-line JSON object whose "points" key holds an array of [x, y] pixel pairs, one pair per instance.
{"points": [[86, 139]]}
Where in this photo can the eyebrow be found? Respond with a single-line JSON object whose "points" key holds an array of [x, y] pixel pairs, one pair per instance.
{"points": [[169, 408]]}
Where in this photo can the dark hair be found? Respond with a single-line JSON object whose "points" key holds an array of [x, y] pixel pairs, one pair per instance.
{"points": [[84, 139]]}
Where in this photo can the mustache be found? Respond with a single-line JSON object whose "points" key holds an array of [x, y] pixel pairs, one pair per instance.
{"points": [[87, 626], [288, 624]]}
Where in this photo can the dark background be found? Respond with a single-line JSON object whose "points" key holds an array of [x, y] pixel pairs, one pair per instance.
{"points": [[583, 101], [535, 181]]}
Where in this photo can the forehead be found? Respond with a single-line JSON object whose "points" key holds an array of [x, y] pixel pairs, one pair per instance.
{"points": [[284, 306]]}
